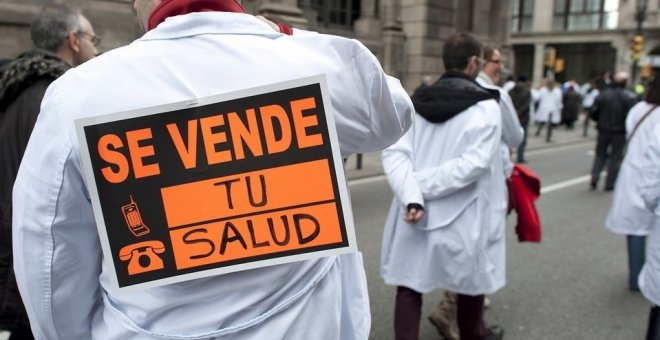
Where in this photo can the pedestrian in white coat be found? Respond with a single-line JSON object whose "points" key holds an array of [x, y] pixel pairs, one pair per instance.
{"points": [[549, 109], [635, 209], [193, 49], [445, 173], [512, 135], [512, 131]]}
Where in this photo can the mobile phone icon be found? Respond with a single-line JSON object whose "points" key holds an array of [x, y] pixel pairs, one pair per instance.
{"points": [[134, 219]]}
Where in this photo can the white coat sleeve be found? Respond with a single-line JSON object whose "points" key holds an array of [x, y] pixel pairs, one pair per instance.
{"points": [[373, 109], [512, 131], [649, 177], [536, 95], [57, 255], [398, 166], [483, 138]]}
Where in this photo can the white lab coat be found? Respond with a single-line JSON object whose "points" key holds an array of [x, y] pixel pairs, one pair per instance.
{"points": [[635, 208], [58, 260], [512, 131], [455, 170], [550, 103]]}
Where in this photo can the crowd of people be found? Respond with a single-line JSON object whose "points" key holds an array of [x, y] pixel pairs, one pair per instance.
{"points": [[447, 154]]}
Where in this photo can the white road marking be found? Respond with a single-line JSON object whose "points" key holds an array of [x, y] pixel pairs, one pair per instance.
{"points": [[367, 180], [544, 190], [565, 184], [558, 148]]}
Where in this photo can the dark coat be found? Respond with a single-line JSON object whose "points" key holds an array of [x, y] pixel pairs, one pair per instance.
{"points": [[571, 108], [521, 97], [22, 86], [611, 109]]}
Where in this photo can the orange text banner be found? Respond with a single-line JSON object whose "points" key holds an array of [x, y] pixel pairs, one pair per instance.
{"points": [[267, 234], [248, 193]]}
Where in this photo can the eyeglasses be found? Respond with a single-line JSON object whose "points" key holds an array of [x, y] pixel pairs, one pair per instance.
{"points": [[94, 39], [495, 61]]}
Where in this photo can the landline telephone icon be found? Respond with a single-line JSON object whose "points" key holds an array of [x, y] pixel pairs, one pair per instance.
{"points": [[143, 256], [134, 219]]}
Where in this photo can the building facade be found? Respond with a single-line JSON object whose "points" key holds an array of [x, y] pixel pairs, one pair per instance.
{"points": [[580, 39], [406, 35]]}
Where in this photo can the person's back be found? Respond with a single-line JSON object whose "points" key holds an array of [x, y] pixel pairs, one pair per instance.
{"points": [[610, 111], [611, 108], [186, 58], [570, 107], [455, 209], [521, 98], [447, 175]]}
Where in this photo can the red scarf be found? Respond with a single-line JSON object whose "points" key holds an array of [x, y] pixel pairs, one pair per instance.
{"points": [[170, 8]]}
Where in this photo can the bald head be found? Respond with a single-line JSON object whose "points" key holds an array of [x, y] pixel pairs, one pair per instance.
{"points": [[620, 78]]}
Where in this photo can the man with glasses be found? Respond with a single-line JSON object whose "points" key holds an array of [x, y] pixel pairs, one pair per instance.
{"points": [[445, 173], [62, 38], [512, 132]]}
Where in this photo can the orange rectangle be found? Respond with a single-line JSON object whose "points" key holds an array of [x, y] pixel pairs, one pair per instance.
{"points": [[257, 235], [247, 193]]}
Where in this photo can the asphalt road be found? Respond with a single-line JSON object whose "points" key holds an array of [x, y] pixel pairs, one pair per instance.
{"points": [[573, 285]]}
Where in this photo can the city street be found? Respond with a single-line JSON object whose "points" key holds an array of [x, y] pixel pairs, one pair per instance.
{"points": [[573, 285]]}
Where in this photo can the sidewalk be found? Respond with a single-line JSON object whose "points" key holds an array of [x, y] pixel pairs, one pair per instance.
{"points": [[371, 163]]}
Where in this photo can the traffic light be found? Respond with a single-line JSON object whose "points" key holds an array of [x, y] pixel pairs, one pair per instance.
{"points": [[559, 65], [645, 72], [549, 56], [637, 46]]}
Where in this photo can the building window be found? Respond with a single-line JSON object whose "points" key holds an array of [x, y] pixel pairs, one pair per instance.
{"points": [[335, 13], [576, 15], [521, 15]]}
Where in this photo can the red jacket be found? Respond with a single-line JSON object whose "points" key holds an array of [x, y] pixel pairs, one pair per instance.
{"points": [[524, 189]]}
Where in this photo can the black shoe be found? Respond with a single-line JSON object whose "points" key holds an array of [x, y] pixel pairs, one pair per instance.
{"points": [[592, 186], [494, 333], [609, 188]]}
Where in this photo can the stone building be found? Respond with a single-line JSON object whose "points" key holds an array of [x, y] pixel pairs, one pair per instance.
{"points": [[589, 37], [406, 35]]}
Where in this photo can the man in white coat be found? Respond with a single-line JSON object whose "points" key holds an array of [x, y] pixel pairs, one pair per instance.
{"points": [[445, 173], [635, 209], [193, 49], [512, 131], [512, 135]]}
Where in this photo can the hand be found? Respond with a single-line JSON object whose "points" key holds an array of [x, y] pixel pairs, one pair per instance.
{"points": [[414, 214]]}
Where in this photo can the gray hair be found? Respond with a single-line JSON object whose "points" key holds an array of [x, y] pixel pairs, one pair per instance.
{"points": [[52, 25]]}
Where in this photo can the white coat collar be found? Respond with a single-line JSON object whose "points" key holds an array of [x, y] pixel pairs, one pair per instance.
{"points": [[485, 77], [192, 24]]}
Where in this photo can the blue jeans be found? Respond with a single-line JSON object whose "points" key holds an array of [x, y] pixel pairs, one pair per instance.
{"points": [[636, 245]]}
